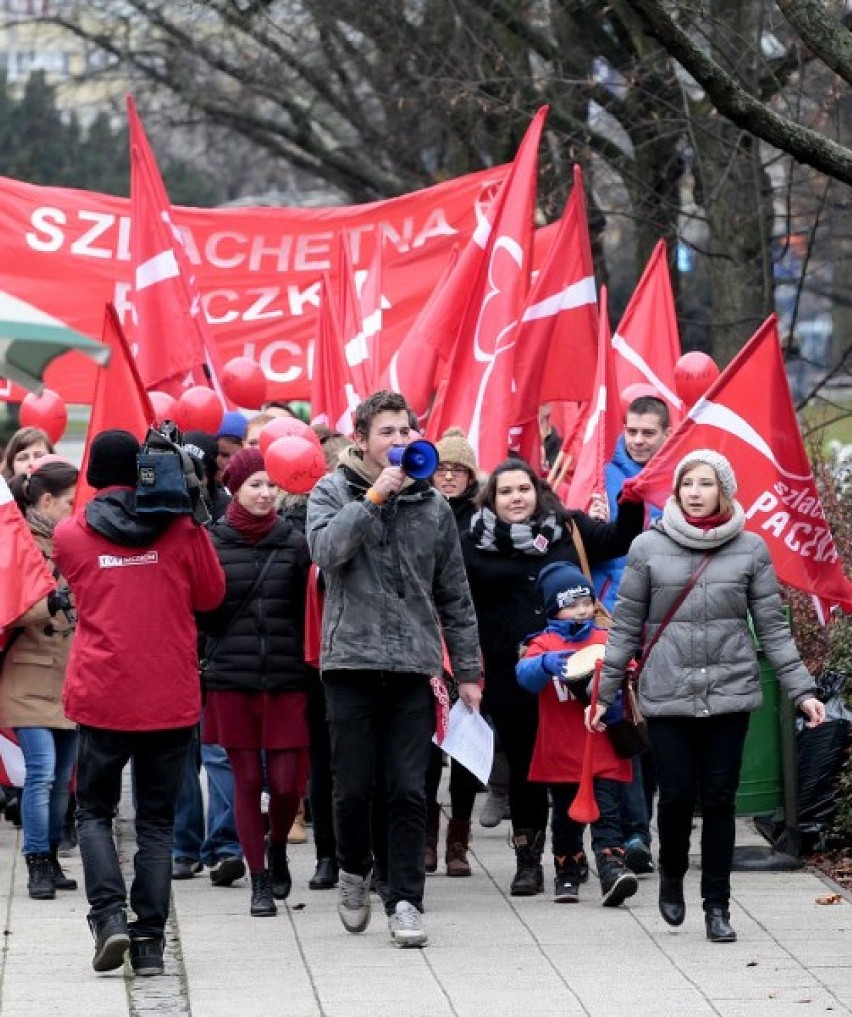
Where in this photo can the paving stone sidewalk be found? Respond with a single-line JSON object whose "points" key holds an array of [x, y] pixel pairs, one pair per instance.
{"points": [[489, 954]]}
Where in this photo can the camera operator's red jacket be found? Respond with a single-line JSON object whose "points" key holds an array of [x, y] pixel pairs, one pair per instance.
{"points": [[134, 661]]}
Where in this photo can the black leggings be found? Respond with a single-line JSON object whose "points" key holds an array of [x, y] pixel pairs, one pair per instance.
{"points": [[463, 785], [517, 724]]}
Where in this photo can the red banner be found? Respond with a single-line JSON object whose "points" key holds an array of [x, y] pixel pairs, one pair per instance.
{"points": [[68, 253]]}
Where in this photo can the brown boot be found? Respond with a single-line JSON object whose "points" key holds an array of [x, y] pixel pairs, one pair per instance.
{"points": [[433, 826], [458, 841]]}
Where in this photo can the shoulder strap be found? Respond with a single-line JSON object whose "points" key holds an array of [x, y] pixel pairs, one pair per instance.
{"points": [[672, 611], [213, 645], [580, 547]]}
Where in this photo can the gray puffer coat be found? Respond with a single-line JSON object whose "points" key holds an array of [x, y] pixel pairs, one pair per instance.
{"points": [[394, 580], [705, 662]]}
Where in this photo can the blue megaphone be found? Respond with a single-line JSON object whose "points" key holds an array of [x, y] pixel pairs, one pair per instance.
{"points": [[418, 460]]}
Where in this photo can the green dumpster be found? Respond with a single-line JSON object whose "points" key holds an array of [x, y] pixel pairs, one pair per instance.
{"points": [[762, 776]]}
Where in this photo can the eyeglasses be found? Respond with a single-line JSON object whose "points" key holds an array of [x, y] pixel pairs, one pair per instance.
{"points": [[454, 468]]}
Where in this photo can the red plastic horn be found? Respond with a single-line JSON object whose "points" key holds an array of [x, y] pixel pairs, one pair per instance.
{"points": [[584, 808]]}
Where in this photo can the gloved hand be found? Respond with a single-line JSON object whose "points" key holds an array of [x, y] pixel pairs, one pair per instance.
{"points": [[629, 492], [554, 660], [59, 600]]}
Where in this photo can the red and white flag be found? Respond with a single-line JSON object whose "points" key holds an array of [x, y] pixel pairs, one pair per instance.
{"points": [[747, 414], [172, 342], [333, 396], [478, 395], [26, 577], [647, 339], [120, 399], [361, 318], [556, 349], [603, 423], [11, 392]]}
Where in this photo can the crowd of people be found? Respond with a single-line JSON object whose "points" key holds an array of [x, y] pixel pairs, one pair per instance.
{"points": [[302, 649]]}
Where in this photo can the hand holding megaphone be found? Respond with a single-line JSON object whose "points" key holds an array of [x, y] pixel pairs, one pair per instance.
{"points": [[418, 459]]}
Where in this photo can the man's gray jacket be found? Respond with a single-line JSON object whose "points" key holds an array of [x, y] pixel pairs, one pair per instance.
{"points": [[394, 580]]}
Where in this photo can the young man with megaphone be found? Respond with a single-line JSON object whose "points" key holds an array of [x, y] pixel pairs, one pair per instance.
{"points": [[388, 547]]}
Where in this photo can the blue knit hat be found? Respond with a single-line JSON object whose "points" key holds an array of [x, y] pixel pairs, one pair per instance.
{"points": [[234, 425], [560, 584]]}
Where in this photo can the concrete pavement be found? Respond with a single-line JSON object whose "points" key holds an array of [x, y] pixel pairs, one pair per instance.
{"points": [[489, 954]]}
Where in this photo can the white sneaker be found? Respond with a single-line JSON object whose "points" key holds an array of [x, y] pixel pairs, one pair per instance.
{"points": [[406, 926], [353, 901]]}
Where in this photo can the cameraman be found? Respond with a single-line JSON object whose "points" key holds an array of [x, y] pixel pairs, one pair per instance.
{"points": [[132, 686]]}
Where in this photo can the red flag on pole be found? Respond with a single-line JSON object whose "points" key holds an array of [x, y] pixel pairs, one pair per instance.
{"points": [[173, 345], [120, 399], [478, 395], [333, 396], [557, 341], [603, 423], [26, 577], [747, 414], [360, 317], [647, 339]]}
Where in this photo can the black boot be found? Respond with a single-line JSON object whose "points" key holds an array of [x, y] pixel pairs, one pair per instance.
{"points": [[529, 878], [60, 880], [718, 923], [617, 881], [672, 906], [262, 903], [325, 876], [40, 882], [433, 826], [279, 869]]}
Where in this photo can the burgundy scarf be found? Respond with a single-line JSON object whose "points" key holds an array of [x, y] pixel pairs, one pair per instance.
{"points": [[708, 522], [248, 525]]}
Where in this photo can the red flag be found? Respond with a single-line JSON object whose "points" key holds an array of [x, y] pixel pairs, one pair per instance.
{"points": [[120, 399], [333, 396], [26, 577], [556, 347], [747, 414], [647, 339], [413, 367], [603, 424], [478, 396], [10, 392], [360, 317], [173, 345], [372, 305]]}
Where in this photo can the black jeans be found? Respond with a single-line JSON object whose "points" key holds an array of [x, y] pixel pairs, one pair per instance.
{"points": [[159, 760], [464, 787], [517, 725], [698, 758], [319, 787], [381, 726], [567, 833]]}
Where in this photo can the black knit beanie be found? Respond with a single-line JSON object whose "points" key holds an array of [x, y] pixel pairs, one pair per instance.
{"points": [[112, 460]]}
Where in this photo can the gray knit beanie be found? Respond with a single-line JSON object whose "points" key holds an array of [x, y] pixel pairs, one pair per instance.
{"points": [[716, 461]]}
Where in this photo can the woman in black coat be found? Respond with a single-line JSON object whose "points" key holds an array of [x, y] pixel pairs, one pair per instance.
{"points": [[520, 527], [254, 672]]}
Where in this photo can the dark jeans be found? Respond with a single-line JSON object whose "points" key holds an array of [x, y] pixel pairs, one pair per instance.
{"points": [[635, 818], [517, 725], [567, 834], [320, 786], [463, 785], [159, 760], [381, 727], [698, 758]]}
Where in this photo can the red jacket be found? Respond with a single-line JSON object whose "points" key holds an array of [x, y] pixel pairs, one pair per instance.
{"points": [[561, 738], [134, 660]]}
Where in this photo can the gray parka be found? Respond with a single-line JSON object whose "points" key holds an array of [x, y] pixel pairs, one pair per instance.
{"points": [[394, 580], [705, 662]]}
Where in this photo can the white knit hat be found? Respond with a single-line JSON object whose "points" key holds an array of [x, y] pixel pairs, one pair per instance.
{"points": [[716, 461]]}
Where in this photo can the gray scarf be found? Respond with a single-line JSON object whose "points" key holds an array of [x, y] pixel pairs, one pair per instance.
{"points": [[674, 525]]}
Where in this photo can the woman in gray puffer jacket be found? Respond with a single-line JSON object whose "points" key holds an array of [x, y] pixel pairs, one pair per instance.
{"points": [[701, 680]]}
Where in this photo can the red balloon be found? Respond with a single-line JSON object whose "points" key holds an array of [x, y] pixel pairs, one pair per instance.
{"points": [[244, 382], [694, 373], [46, 411], [199, 409], [294, 463], [283, 427], [637, 390], [164, 406]]}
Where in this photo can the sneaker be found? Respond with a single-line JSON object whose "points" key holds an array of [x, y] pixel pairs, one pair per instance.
{"points": [[566, 884], [146, 956], [226, 870], [637, 856], [406, 926], [496, 807], [185, 868], [617, 882], [112, 941], [353, 901]]}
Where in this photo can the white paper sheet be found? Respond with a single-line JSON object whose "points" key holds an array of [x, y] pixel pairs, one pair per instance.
{"points": [[470, 740]]}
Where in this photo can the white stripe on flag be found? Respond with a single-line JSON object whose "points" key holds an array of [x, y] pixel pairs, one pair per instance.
{"points": [[5, 493], [157, 269], [578, 294], [620, 345]]}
